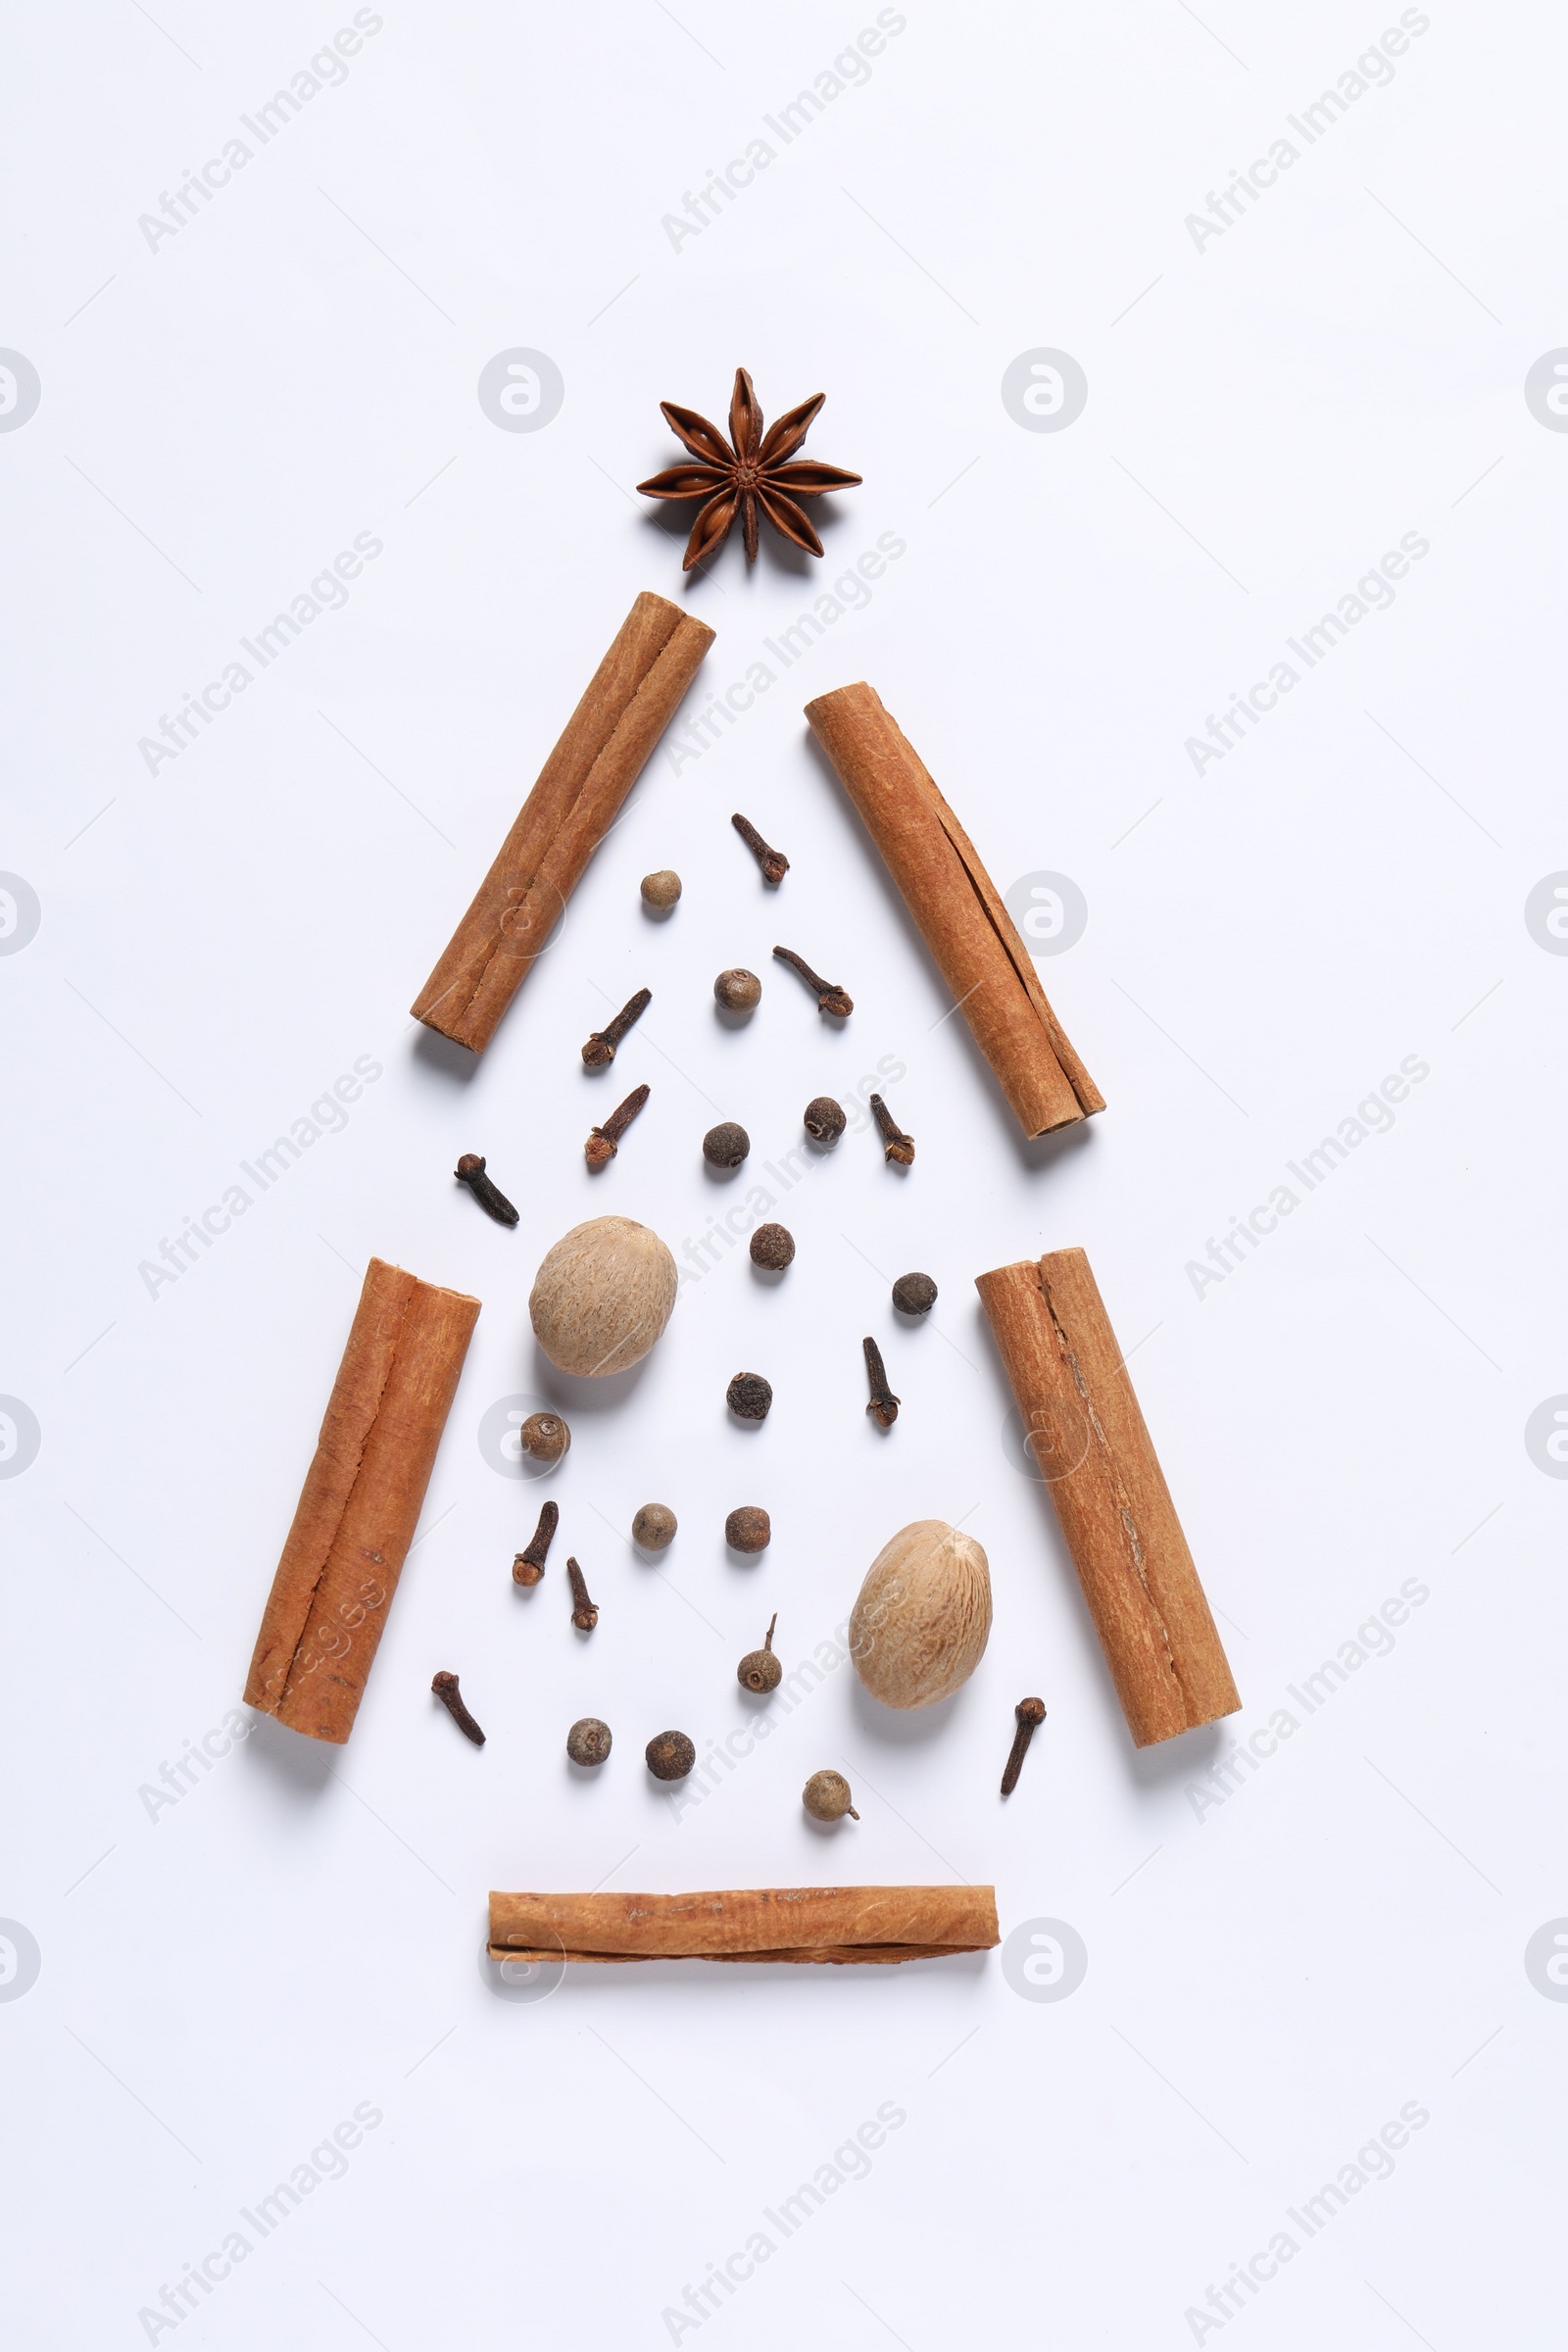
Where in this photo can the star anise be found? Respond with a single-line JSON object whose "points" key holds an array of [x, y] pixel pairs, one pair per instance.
{"points": [[754, 474]]}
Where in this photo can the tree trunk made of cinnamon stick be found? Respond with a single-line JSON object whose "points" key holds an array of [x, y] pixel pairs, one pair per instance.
{"points": [[361, 1502], [875, 1925], [958, 909], [1083, 1426], [634, 695]]}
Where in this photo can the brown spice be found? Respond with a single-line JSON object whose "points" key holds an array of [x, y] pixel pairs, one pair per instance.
{"points": [[445, 1688], [633, 696], [585, 1616], [470, 1170], [545, 1437], [884, 1405], [603, 1142], [773, 862], [1031, 1713], [876, 1925], [772, 1247], [654, 1528], [738, 990], [896, 1148], [529, 1566], [824, 1119], [826, 1797], [759, 1671], [726, 1145], [830, 997], [600, 1050], [749, 1529], [670, 1756], [749, 1397], [589, 1740], [661, 889], [751, 478], [914, 1294]]}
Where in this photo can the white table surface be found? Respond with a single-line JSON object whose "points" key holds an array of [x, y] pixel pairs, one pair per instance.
{"points": [[1284, 1956]]}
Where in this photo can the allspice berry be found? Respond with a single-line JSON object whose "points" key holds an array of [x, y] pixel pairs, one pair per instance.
{"points": [[588, 1742], [772, 1247], [670, 1756], [759, 1671], [824, 1119], [914, 1294], [749, 1397], [726, 1145], [738, 990], [654, 1528], [749, 1529], [826, 1797], [545, 1437], [662, 890]]}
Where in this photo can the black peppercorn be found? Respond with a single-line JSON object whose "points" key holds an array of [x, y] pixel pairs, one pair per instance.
{"points": [[749, 1397], [772, 1247], [824, 1119], [914, 1294], [670, 1756], [749, 1529], [726, 1145]]}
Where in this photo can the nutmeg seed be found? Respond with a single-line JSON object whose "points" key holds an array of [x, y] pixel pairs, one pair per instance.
{"points": [[920, 1625], [601, 1297]]}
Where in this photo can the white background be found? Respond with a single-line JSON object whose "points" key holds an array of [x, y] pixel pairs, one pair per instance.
{"points": [[1270, 1978]]}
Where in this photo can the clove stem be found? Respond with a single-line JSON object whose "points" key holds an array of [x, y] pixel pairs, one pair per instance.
{"points": [[602, 1142], [470, 1170], [600, 1050], [445, 1688], [529, 1566], [773, 862], [896, 1144], [585, 1616], [884, 1405], [830, 997], [1030, 1713]]}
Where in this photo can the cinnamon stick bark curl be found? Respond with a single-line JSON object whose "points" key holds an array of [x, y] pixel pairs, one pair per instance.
{"points": [[1083, 1426], [877, 1925]]}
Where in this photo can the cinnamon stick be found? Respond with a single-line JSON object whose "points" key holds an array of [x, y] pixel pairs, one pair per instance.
{"points": [[630, 699], [361, 1502], [1088, 1435], [958, 909], [878, 1925]]}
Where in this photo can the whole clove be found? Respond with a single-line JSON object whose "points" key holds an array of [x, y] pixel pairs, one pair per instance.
{"points": [[896, 1144], [603, 1142], [824, 1120], [585, 1616], [830, 997], [1031, 1713], [529, 1566], [759, 1671], [470, 1170], [445, 1688], [773, 862], [884, 1405], [600, 1050]]}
